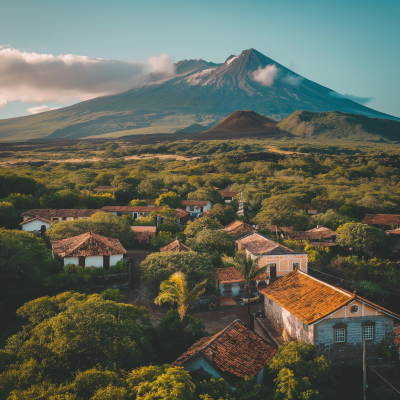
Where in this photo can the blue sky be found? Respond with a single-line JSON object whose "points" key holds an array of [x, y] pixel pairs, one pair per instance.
{"points": [[351, 47]]}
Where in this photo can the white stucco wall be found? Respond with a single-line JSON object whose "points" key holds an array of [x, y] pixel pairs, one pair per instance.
{"points": [[114, 259], [71, 260], [34, 226], [96, 261]]}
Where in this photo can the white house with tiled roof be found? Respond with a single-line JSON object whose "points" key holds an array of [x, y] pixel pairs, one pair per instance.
{"points": [[303, 307], [35, 224], [193, 207], [65, 214], [89, 250], [279, 259]]}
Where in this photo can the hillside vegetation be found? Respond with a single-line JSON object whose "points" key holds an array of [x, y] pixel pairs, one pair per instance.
{"points": [[337, 125]]}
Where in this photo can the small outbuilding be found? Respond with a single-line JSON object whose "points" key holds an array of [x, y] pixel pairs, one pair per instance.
{"points": [[176, 245], [238, 229], [89, 250], [36, 224], [232, 354], [143, 234]]}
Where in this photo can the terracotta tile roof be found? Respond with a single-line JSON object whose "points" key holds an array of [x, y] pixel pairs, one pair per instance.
{"points": [[312, 234], [182, 213], [144, 232], [381, 219], [239, 228], [66, 212], [258, 244], [308, 298], [397, 335], [229, 275], [150, 201], [87, 244], [104, 188], [227, 193], [235, 350], [37, 218], [176, 245], [141, 209], [394, 231], [200, 203]]}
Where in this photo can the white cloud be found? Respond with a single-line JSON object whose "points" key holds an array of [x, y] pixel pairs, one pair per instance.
{"points": [[265, 76], [36, 78], [357, 99], [40, 109], [293, 80]]}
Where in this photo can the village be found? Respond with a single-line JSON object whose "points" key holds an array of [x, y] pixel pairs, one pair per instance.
{"points": [[261, 296]]}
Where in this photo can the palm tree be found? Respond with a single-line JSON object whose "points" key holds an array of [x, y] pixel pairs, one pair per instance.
{"points": [[176, 289]]}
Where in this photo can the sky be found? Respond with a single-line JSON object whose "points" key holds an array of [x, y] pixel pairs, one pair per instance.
{"points": [[55, 53]]}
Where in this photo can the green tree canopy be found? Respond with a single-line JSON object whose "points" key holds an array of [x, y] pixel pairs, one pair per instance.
{"points": [[137, 203], [330, 219], [206, 193], [360, 236], [8, 215], [158, 267], [102, 223], [22, 202], [213, 240], [199, 224], [224, 214], [169, 199], [144, 221]]}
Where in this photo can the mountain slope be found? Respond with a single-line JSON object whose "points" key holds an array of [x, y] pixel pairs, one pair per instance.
{"points": [[200, 93], [337, 125]]}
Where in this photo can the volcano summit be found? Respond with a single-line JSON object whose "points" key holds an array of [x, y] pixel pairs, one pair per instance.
{"points": [[200, 92]]}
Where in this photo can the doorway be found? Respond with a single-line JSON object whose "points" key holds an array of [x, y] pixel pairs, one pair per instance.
{"points": [[81, 261], [272, 271], [106, 263]]}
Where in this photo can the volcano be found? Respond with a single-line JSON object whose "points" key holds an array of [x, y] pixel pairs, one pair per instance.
{"points": [[200, 93]]}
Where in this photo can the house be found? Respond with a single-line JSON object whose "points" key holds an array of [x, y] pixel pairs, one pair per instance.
{"points": [[382, 221], [232, 283], [139, 211], [279, 259], [89, 250], [58, 215], [193, 207], [232, 354], [303, 307], [176, 245], [228, 195], [143, 234], [105, 189], [36, 224], [318, 237], [238, 229]]}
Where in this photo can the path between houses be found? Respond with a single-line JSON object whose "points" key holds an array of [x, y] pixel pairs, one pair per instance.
{"points": [[143, 295]]}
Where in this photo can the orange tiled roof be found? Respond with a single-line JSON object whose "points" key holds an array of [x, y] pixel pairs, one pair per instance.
{"points": [[227, 193], [394, 232], [66, 212], [229, 275], [312, 234], [200, 203], [235, 350], [181, 213], [310, 299], [87, 244], [140, 209], [144, 232], [176, 245], [239, 228], [381, 219], [34, 219], [258, 244]]}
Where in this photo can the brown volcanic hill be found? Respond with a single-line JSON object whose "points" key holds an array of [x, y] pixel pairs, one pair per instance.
{"points": [[247, 123]]}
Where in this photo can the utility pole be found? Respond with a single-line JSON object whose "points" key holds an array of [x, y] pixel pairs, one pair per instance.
{"points": [[364, 371]]}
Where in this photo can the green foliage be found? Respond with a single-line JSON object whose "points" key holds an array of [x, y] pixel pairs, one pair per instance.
{"points": [[331, 219], [137, 203], [11, 183], [8, 215], [144, 221], [102, 223], [360, 236], [208, 194], [172, 337], [112, 294], [169, 215], [319, 255], [213, 240], [168, 227], [25, 262], [169, 199], [199, 224], [22, 202], [51, 201], [224, 214], [158, 267]]}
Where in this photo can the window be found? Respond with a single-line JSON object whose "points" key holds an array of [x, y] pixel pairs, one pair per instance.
{"points": [[305, 326], [191, 208], [270, 301], [354, 309], [296, 265], [340, 335], [368, 332]]}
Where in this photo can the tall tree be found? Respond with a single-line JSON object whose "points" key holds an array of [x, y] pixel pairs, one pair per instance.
{"points": [[176, 289]]}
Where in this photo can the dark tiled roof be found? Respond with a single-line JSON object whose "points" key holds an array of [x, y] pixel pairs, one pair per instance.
{"points": [[66, 212], [37, 218], [176, 245], [235, 350], [258, 244], [144, 232], [227, 193], [229, 275], [381, 219], [87, 244], [239, 228]]}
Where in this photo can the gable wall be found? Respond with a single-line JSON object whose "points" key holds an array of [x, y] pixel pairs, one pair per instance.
{"points": [[284, 263], [35, 226]]}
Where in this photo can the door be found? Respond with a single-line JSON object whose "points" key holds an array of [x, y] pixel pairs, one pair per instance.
{"points": [[81, 261], [106, 263], [272, 271]]}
